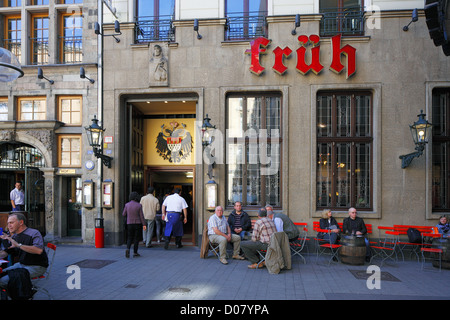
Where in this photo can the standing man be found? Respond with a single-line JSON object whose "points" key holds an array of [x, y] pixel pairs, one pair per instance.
{"points": [[219, 232], [150, 205], [17, 197], [283, 223], [172, 208], [262, 231], [27, 244], [239, 221]]}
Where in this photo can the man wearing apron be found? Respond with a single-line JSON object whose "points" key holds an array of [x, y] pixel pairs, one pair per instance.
{"points": [[172, 208]]}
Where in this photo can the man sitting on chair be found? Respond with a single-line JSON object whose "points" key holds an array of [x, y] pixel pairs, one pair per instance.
{"points": [[27, 244], [219, 232], [262, 231]]}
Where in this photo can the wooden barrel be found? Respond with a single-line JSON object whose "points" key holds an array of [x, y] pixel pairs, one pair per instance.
{"points": [[353, 250], [444, 244]]}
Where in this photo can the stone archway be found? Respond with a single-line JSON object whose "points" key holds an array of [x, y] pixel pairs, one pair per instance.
{"points": [[42, 140]]}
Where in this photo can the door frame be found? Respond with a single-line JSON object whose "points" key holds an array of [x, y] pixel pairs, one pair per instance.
{"points": [[149, 169]]}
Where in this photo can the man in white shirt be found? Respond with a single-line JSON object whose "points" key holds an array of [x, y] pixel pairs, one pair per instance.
{"points": [[17, 197], [219, 232], [172, 208], [150, 205], [278, 222]]}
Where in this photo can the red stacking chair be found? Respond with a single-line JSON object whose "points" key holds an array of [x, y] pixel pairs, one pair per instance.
{"points": [[39, 282]]}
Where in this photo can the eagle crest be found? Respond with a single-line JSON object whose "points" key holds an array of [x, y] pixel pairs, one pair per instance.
{"points": [[174, 144]]}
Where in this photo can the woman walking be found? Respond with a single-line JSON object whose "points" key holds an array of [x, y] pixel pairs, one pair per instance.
{"points": [[135, 222]]}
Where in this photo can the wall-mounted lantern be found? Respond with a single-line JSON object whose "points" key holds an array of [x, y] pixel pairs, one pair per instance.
{"points": [[95, 137], [421, 132]]}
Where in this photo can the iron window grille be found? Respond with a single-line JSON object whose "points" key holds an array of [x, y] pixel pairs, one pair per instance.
{"points": [[15, 156], [72, 49], [245, 26], [155, 28], [348, 22]]}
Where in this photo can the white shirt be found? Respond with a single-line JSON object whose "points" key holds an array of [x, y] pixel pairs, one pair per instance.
{"points": [[278, 223], [219, 223], [175, 203], [18, 196]]}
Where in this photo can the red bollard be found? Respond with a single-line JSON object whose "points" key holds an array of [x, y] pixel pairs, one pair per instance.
{"points": [[99, 233]]}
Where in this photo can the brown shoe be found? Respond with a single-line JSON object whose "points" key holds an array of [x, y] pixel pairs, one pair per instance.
{"points": [[238, 257], [261, 265], [253, 266]]}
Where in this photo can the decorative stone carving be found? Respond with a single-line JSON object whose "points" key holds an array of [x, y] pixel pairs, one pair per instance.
{"points": [[47, 137], [158, 65], [7, 135]]}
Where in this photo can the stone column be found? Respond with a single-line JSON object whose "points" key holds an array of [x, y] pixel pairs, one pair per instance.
{"points": [[51, 217]]}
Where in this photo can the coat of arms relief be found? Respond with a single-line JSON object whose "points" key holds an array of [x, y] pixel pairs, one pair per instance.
{"points": [[174, 143]]}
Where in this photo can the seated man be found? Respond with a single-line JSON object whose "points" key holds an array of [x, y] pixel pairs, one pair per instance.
{"points": [[219, 232], [262, 231], [239, 221], [283, 223], [26, 244], [353, 225]]}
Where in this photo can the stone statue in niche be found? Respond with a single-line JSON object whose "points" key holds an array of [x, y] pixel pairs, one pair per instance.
{"points": [[159, 71]]}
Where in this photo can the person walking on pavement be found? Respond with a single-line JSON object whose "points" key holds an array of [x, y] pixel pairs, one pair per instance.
{"points": [[150, 205], [17, 197], [172, 208], [135, 221]]}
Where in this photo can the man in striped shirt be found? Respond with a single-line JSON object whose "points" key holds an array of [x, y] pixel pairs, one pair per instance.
{"points": [[262, 231]]}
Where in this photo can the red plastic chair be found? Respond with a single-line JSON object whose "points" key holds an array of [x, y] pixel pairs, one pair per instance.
{"points": [[38, 282], [298, 245], [386, 248], [328, 248], [433, 253]]}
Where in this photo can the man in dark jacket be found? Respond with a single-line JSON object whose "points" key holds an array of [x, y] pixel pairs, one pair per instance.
{"points": [[354, 225], [239, 221]]}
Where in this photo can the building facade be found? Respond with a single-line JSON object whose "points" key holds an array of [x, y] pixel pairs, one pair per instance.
{"points": [[311, 102]]}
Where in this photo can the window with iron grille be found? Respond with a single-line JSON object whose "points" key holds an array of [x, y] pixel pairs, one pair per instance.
{"points": [[253, 149], [13, 33], [441, 150], [344, 17], [70, 41], [39, 39], [246, 19], [154, 20], [344, 150]]}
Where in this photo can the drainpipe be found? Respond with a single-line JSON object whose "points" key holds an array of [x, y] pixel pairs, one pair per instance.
{"points": [[99, 231]]}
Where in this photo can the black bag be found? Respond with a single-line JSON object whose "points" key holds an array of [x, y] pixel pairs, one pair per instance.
{"points": [[414, 235], [19, 284]]}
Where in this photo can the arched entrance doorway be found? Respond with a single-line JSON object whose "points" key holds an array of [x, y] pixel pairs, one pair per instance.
{"points": [[21, 162]]}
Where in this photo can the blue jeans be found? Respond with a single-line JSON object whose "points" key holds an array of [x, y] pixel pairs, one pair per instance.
{"points": [[148, 234]]}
